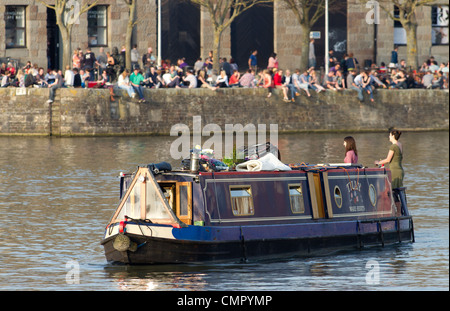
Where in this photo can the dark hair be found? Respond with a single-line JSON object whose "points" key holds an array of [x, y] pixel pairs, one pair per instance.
{"points": [[351, 144], [396, 134]]}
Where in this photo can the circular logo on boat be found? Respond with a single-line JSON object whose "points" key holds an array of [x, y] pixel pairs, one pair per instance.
{"points": [[338, 196], [373, 195]]}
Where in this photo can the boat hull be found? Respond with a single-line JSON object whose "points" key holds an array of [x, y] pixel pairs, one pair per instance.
{"points": [[157, 250]]}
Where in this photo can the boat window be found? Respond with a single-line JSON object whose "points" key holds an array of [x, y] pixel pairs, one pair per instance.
{"points": [[338, 196], [132, 206], [184, 211], [373, 195], [154, 206], [241, 200], [296, 198], [168, 190]]}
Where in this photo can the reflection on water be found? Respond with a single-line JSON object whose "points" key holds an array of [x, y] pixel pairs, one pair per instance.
{"points": [[56, 196]]}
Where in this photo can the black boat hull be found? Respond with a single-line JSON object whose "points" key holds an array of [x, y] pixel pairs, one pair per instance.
{"points": [[169, 251]]}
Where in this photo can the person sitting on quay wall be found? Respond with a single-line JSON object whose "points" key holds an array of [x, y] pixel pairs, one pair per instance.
{"points": [[430, 75]]}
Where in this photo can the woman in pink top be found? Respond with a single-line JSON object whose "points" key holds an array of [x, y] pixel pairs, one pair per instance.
{"points": [[273, 61], [351, 154]]}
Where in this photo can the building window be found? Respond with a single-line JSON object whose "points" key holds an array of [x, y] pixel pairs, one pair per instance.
{"points": [[98, 26], [296, 198], [15, 26], [399, 31], [241, 200], [439, 25]]}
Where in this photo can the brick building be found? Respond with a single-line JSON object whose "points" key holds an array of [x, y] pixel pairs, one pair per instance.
{"points": [[28, 31]]}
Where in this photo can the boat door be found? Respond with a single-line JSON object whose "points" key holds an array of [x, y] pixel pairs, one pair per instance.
{"points": [[179, 196], [184, 202], [316, 193]]}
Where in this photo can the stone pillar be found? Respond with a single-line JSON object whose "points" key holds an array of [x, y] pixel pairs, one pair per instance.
{"points": [[385, 38], [287, 34], [360, 34], [207, 37]]}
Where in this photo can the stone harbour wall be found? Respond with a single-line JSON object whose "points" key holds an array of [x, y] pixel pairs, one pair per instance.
{"points": [[90, 112]]}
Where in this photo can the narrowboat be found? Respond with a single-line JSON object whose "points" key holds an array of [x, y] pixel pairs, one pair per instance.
{"points": [[211, 215]]}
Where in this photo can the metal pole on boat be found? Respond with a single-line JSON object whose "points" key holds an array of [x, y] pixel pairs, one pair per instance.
{"points": [[327, 60]]}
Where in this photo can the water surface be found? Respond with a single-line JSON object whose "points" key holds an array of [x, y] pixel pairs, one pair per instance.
{"points": [[57, 195]]}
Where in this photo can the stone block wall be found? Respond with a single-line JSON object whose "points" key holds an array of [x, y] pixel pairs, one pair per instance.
{"points": [[90, 112]]}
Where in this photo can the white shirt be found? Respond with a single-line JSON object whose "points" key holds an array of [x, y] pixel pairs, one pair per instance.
{"points": [[167, 77], [198, 65], [222, 79], [4, 80], [123, 81], [134, 55], [312, 53], [192, 81], [358, 80], [69, 77]]}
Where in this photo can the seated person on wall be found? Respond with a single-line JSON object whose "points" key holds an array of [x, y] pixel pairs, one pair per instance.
{"points": [[171, 78], [439, 81], [49, 77], [222, 80], [234, 79], [331, 81], [30, 80], [55, 85], [124, 83], [104, 83], [340, 79], [399, 80], [190, 81], [135, 80], [76, 78], [248, 79], [201, 81], [6, 79], [302, 82], [68, 77], [40, 78], [151, 78], [375, 81]]}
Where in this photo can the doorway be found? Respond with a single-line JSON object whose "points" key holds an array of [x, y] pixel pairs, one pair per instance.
{"points": [[53, 42], [179, 197], [180, 23], [253, 30], [337, 19]]}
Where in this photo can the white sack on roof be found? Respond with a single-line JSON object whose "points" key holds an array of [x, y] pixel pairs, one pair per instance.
{"points": [[269, 162]]}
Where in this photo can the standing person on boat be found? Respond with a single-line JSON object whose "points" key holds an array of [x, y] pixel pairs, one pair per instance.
{"points": [[351, 154], [394, 158]]}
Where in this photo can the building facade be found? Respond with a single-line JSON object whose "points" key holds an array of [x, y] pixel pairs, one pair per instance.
{"points": [[28, 32]]}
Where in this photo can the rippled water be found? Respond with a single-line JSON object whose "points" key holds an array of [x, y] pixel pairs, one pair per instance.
{"points": [[57, 195]]}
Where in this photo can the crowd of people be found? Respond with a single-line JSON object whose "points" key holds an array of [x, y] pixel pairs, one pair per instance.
{"points": [[107, 70]]}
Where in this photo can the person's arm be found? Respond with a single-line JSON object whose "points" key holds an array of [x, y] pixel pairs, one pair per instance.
{"points": [[54, 83], [387, 160], [378, 81], [269, 83], [132, 83]]}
